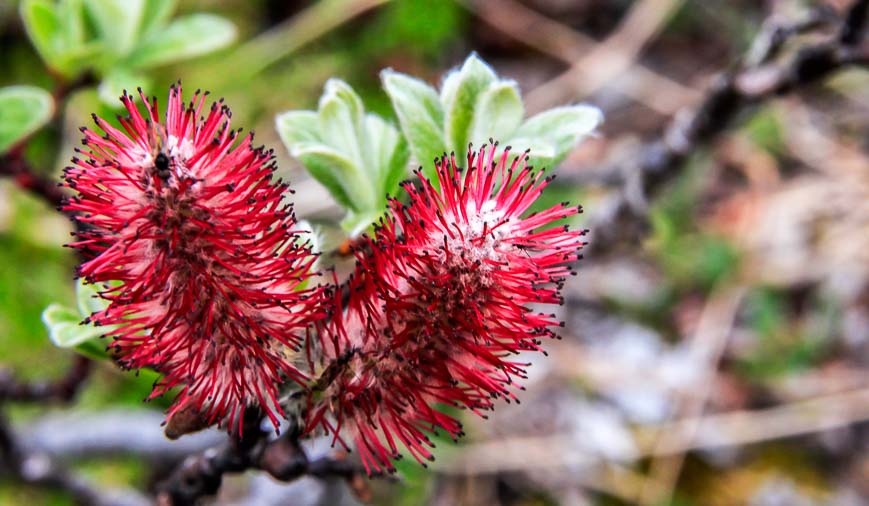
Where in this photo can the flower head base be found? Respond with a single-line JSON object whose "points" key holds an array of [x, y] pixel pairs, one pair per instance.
{"points": [[205, 267], [440, 304]]}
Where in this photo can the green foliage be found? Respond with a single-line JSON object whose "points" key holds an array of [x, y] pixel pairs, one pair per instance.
{"points": [[36, 271], [420, 114], [118, 39], [357, 156], [765, 131], [784, 345], [23, 110], [360, 158], [474, 105], [182, 39], [412, 26], [70, 328], [689, 256]]}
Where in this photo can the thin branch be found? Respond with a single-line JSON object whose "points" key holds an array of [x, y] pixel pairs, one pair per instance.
{"points": [[854, 29], [15, 166], [732, 93], [283, 458], [63, 389]]}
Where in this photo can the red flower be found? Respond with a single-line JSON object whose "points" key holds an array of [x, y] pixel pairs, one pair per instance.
{"points": [[440, 305], [204, 267]]}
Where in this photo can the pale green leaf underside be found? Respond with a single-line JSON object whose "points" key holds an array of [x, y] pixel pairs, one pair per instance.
{"points": [[43, 24]]}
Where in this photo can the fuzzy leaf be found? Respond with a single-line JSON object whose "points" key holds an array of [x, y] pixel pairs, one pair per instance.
{"points": [[117, 22], [359, 157], [43, 25], [66, 331], [498, 113], [341, 121], [541, 153], [336, 172], [461, 94], [23, 110], [562, 127], [356, 223], [300, 133], [389, 154], [295, 127], [420, 115], [88, 299], [155, 16], [67, 327], [184, 38]]}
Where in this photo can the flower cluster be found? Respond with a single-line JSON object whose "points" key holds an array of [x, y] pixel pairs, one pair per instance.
{"points": [[198, 253], [208, 283], [440, 305]]}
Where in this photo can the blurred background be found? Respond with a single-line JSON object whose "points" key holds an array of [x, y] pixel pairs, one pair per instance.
{"points": [[716, 348]]}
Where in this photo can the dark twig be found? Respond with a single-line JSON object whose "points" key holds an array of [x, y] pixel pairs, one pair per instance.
{"points": [[63, 389], [15, 166], [283, 458], [854, 28], [732, 93]]}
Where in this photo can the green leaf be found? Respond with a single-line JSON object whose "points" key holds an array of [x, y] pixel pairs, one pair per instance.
{"points": [[420, 115], [300, 132], [563, 127], [67, 327], [155, 16], [541, 152], [184, 38], [295, 127], [72, 12], [23, 110], [43, 25], [116, 81], [341, 121], [389, 153], [117, 22], [498, 113], [56, 314], [355, 223], [461, 93], [66, 330], [88, 299], [336, 172], [359, 157]]}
